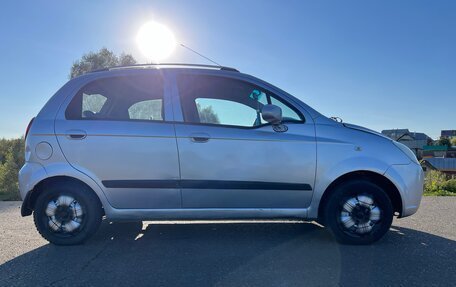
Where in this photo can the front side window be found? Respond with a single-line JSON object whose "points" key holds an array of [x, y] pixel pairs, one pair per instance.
{"points": [[224, 101], [225, 112], [119, 98], [288, 114]]}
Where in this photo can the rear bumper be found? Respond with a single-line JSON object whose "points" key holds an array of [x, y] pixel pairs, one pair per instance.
{"points": [[409, 180], [26, 209], [29, 176]]}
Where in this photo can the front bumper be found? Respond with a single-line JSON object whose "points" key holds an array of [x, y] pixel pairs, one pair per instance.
{"points": [[409, 180]]}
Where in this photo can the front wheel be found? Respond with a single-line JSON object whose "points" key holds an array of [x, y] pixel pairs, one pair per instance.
{"points": [[358, 212], [67, 214]]}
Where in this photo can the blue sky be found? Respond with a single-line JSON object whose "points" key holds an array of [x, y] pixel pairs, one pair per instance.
{"points": [[380, 64]]}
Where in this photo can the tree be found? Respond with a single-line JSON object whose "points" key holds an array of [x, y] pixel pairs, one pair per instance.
{"points": [[453, 141], [445, 141], [99, 60], [11, 160], [207, 115]]}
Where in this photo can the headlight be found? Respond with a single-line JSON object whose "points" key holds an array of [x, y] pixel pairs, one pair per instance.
{"points": [[407, 151]]}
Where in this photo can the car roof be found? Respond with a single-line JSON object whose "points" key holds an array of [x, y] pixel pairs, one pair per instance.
{"points": [[166, 66]]}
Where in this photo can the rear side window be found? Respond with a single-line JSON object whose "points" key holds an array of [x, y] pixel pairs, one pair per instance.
{"points": [[92, 103], [146, 110], [119, 98]]}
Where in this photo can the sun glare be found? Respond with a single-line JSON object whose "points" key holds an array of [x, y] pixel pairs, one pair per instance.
{"points": [[155, 41]]}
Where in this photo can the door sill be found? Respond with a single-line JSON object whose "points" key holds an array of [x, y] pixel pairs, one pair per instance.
{"points": [[206, 214]]}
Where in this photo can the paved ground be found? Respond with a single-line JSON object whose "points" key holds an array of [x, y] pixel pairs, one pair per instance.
{"points": [[420, 250]]}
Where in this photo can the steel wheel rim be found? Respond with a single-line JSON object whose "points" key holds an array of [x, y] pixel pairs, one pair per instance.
{"points": [[64, 216], [359, 215]]}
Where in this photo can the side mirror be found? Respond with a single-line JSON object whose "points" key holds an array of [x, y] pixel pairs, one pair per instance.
{"points": [[272, 114]]}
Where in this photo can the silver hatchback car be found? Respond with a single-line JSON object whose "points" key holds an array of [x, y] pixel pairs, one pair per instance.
{"points": [[158, 142]]}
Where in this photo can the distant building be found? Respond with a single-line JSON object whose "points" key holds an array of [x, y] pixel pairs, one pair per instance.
{"points": [[445, 165], [438, 151], [415, 141], [448, 133]]}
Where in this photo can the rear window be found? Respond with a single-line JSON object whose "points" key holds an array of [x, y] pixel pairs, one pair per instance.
{"points": [[119, 98]]}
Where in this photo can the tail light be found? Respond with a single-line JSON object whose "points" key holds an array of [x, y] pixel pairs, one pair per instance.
{"points": [[28, 127]]}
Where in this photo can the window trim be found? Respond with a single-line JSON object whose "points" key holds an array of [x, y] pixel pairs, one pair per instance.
{"points": [[285, 102]]}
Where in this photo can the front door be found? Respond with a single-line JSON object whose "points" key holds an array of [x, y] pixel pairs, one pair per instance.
{"points": [[114, 131], [231, 158]]}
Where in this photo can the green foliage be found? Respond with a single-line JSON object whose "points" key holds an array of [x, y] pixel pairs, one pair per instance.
{"points": [[99, 60], [453, 141], [450, 185], [436, 183], [433, 181], [445, 141], [11, 160], [207, 115]]}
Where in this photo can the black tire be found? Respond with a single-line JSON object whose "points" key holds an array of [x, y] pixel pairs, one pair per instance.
{"points": [[91, 217], [339, 220]]}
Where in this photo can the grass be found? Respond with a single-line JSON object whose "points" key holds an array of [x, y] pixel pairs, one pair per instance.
{"points": [[9, 196], [439, 193]]}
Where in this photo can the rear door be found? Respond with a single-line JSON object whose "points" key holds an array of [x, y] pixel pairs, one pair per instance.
{"points": [[115, 129], [230, 157]]}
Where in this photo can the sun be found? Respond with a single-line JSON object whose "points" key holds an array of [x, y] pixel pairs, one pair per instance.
{"points": [[155, 41]]}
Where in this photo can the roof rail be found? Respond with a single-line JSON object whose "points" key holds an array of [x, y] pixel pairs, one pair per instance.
{"points": [[222, 68]]}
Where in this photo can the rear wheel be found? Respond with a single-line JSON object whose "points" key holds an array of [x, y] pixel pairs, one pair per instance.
{"points": [[358, 212], [67, 214]]}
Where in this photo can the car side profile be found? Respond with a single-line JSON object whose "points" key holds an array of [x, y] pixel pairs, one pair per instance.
{"points": [[155, 142]]}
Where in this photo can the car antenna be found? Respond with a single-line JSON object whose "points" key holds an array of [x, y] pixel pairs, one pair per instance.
{"points": [[201, 55]]}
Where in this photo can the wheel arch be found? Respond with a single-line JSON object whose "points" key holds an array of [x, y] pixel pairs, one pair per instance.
{"points": [[387, 185], [29, 202]]}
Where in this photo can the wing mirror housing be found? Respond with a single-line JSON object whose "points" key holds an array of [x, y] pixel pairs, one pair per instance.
{"points": [[272, 114]]}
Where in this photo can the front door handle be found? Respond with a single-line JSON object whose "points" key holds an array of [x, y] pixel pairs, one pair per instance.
{"points": [[199, 137]]}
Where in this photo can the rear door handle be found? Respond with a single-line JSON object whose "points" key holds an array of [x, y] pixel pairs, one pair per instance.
{"points": [[76, 134], [200, 137]]}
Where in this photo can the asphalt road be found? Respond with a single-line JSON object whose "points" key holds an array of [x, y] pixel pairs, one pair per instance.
{"points": [[418, 251]]}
